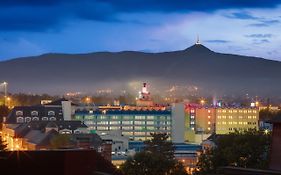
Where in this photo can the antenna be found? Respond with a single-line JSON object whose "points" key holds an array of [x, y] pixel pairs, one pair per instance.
{"points": [[198, 40]]}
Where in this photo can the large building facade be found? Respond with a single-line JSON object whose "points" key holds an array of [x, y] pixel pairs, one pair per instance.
{"points": [[231, 119], [135, 124], [204, 120]]}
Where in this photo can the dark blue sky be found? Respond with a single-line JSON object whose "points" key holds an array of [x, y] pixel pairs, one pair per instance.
{"points": [[32, 27]]}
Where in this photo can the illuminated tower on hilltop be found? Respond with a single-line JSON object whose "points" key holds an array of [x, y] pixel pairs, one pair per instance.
{"points": [[144, 97]]}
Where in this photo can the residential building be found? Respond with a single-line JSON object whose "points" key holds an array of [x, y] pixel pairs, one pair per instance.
{"points": [[202, 121], [231, 119]]}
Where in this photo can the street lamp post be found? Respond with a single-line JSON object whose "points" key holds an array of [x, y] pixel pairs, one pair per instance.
{"points": [[5, 84]]}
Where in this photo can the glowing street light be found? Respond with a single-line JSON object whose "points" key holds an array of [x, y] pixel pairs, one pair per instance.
{"points": [[202, 102], [257, 103], [5, 84], [266, 131], [88, 99]]}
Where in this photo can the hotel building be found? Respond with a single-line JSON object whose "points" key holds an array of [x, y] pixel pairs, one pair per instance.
{"points": [[231, 119], [136, 124], [208, 120]]}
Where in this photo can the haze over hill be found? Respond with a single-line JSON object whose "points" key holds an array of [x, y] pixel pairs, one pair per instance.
{"points": [[197, 65]]}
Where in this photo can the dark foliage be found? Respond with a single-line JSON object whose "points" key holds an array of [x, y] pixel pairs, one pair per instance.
{"points": [[247, 149], [156, 159]]}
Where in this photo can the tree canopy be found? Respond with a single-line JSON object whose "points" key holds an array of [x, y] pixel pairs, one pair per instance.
{"points": [[156, 159], [247, 149]]}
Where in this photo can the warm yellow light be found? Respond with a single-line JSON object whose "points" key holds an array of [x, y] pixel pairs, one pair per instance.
{"points": [[117, 166], [257, 103], [266, 131]]}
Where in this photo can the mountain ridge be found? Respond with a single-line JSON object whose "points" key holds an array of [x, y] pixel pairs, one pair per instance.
{"points": [[60, 73]]}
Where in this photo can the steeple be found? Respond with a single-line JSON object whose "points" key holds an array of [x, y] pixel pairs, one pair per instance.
{"points": [[198, 40]]}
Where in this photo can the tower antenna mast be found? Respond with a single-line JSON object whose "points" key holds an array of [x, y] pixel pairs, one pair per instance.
{"points": [[198, 40]]}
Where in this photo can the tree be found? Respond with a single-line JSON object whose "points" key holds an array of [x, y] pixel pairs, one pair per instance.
{"points": [[156, 159], [247, 149], [3, 146], [159, 145], [4, 111]]}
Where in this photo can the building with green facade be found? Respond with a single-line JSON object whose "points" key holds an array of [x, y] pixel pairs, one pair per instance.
{"points": [[135, 124]]}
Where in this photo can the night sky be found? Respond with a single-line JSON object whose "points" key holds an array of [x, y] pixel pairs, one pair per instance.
{"points": [[33, 27]]}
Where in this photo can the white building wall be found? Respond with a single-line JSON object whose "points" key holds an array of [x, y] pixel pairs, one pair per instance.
{"points": [[178, 123], [66, 110]]}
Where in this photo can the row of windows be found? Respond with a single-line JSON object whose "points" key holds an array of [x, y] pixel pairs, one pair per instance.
{"points": [[34, 113], [127, 128], [235, 111], [240, 117], [28, 119], [232, 129], [126, 123], [104, 117], [235, 123]]}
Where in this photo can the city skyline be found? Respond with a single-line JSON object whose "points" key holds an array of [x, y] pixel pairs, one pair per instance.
{"points": [[29, 28]]}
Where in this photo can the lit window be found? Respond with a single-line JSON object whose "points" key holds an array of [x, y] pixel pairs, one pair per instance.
{"points": [[192, 116], [53, 119], [249, 117], [209, 111], [19, 113], [34, 113], [192, 128], [44, 118], [20, 120], [35, 119], [139, 117], [209, 122], [192, 110], [150, 117], [209, 128], [51, 112], [209, 117]]}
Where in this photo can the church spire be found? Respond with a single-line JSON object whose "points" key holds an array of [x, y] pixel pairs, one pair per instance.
{"points": [[198, 40]]}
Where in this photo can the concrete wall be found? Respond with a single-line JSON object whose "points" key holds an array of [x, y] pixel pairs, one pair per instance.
{"points": [[66, 110], [178, 123]]}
